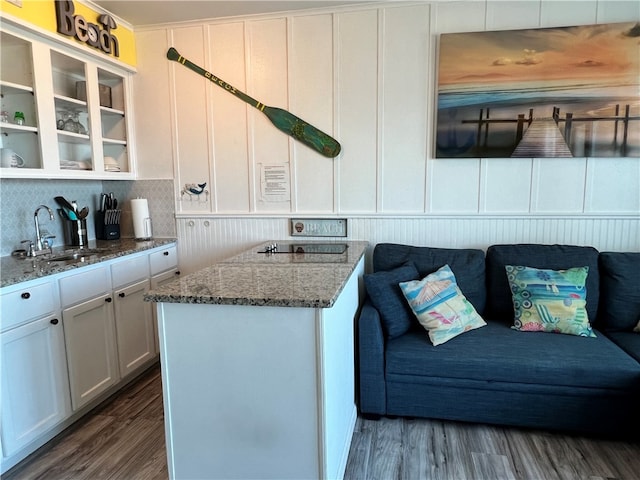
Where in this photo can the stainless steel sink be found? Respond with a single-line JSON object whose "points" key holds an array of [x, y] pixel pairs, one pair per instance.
{"points": [[64, 257], [76, 255]]}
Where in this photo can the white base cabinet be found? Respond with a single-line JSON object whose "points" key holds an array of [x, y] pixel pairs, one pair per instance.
{"points": [[91, 349], [134, 327], [164, 269], [35, 392], [70, 340]]}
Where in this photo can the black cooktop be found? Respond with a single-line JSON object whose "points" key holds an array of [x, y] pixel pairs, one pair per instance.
{"points": [[335, 248]]}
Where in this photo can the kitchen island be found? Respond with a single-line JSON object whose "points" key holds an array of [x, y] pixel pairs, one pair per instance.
{"points": [[257, 356]]}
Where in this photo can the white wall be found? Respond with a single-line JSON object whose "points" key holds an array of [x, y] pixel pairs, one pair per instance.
{"points": [[366, 76]]}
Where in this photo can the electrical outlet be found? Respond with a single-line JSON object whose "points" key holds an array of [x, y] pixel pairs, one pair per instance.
{"points": [[17, 3]]}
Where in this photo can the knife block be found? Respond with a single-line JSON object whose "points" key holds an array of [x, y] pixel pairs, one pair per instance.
{"points": [[108, 225]]}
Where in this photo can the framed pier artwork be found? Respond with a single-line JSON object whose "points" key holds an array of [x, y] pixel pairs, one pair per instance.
{"points": [[548, 92]]}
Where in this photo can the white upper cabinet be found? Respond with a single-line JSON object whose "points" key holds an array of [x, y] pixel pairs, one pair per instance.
{"points": [[19, 119], [75, 111]]}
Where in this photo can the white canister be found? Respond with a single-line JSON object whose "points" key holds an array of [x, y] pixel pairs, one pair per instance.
{"points": [[141, 219]]}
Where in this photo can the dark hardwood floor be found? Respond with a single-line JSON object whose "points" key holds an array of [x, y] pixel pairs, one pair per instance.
{"points": [[123, 439]]}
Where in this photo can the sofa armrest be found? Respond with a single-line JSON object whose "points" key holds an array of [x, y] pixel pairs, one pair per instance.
{"points": [[371, 345]]}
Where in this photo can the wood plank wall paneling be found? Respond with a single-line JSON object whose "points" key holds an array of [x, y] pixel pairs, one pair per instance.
{"points": [[206, 240], [269, 84], [311, 91], [404, 108], [229, 120], [357, 110], [154, 118], [367, 75], [191, 123]]}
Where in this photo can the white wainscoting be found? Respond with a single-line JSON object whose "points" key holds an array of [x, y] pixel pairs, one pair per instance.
{"points": [[207, 239]]}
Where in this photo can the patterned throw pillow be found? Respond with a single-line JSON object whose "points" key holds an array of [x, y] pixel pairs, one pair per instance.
{"points": [[440, 306], [550, 300]]}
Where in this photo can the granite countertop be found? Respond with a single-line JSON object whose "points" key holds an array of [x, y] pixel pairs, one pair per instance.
{"points": [[310, 280], [21, 269]]}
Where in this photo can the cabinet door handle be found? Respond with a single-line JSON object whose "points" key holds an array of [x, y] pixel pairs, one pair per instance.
{"points": [[166, 254], [121, 294], [178, 272], [108, 299], [26, 295], [54, 321]]}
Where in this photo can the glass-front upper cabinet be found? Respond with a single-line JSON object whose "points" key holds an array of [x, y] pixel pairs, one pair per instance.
{"points": [[19, 139], [72, 112], [111, 92], [64, 112]]}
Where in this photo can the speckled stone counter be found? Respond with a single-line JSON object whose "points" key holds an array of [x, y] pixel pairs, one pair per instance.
{"points": [[15, 269], [284, 279]]}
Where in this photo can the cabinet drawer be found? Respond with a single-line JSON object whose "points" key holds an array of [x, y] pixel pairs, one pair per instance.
{"points": [[165, 259], [131, 270], [166, 277], [84, 286], [28, 303]]}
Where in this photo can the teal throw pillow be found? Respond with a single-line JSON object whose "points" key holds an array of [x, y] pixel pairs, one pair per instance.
{"points": [[550, 300], [440, 306]]}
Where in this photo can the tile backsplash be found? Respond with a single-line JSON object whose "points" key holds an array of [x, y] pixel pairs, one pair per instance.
{"points": [[19, 199]]}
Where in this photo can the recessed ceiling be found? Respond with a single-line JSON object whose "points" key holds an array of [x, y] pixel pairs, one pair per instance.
{"points": [[149, 12]]}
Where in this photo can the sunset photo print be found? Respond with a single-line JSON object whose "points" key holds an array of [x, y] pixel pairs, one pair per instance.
{"points": [[549, 92]]}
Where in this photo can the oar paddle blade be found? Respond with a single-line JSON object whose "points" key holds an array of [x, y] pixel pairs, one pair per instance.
{"points": [[303, 132]]}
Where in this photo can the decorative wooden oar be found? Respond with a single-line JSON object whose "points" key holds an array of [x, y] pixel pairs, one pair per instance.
{"points": [[281, 119]]}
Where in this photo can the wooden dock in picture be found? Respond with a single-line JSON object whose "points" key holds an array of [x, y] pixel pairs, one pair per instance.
{"points": [[542, 139], [550, 136]]}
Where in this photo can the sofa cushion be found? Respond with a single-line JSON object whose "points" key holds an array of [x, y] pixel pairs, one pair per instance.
{"points": [[384, 291], [555, 257], [440, 306], [619, 290], [466, 264], [497, 353], [629, 342], [549, 300]]}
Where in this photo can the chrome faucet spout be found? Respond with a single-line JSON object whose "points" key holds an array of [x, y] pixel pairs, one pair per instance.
{"points": [[38, 245]]}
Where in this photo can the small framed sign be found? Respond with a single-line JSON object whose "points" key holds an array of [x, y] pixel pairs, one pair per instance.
{"points": [[318, 227]]}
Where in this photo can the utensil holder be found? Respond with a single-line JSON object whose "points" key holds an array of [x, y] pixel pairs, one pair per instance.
{"points": [[75, 233], [108, 224]]}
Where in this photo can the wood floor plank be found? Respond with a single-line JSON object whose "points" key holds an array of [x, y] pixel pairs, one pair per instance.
{"points": [[490, 466], [359, 454], [527, 462], [60, 451], [123, 439], [458, 437], [386, 451], [415, 458]]}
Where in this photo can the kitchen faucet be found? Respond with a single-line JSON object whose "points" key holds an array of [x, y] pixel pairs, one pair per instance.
{"points": [[42, 244]]}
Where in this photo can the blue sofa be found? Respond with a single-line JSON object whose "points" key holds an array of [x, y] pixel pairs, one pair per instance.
{"points": [[495, 374]]}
